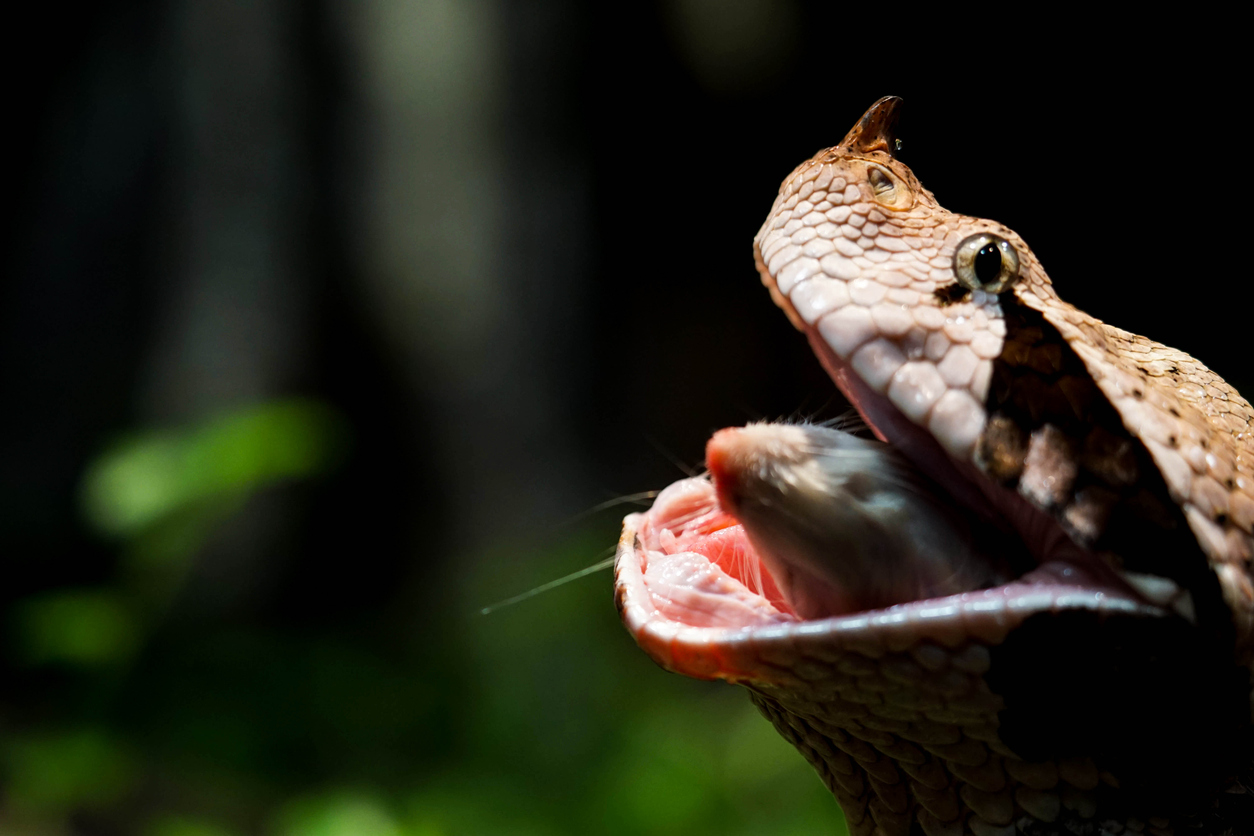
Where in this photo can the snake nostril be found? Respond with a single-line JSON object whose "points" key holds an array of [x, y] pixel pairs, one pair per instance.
{"points": [[888, 189], [881, 183]]}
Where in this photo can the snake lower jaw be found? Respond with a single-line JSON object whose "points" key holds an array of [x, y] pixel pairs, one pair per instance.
{"points": [[696, 595], [988, 693]]}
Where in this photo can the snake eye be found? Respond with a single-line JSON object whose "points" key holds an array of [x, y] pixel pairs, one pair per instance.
{"points": [[986, 262]]}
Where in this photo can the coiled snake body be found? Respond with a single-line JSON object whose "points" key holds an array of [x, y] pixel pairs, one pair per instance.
{"points": [[1107, 688]]}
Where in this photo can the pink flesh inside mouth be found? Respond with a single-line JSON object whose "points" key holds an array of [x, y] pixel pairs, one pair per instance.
{"points": [[689, 574], [701, 569]]}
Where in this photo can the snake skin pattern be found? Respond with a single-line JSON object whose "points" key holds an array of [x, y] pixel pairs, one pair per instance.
{"points": [[1033, 708]]}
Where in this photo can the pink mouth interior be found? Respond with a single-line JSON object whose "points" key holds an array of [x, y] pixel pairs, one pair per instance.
{"points": [[699, 566], [700, 570]]}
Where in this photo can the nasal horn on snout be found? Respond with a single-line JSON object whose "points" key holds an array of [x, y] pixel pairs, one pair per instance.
{"points": [[876, 130]]}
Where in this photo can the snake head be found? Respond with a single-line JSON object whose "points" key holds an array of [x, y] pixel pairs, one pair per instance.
{"points": [[1124, 467], [947, 335]]}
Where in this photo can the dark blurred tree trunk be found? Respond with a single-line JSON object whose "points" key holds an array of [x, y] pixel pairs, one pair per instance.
{"points": [[233, 324], [471, 242], [85, 127]]}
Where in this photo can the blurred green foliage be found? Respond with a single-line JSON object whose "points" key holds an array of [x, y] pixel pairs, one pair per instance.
{"points": [[337, 814], [184, 826], [540, 719], [135, 485], [53, 771], [76, 627]]}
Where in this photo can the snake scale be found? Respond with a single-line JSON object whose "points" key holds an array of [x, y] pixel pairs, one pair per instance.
{"points": [[1107, 688]]}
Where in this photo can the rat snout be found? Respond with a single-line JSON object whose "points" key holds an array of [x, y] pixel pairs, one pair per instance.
{"points": [[742, 459]]}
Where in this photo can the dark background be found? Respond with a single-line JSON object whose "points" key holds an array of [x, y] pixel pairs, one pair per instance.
{"points": [[500, 255]]}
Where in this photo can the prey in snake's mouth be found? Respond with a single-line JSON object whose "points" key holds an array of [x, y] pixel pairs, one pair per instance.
{"points": [[799, 522], [1031, 599], [804, 522]]}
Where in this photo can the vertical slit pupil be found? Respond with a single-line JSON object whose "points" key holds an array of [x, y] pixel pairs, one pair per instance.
{"points": [[988, 264]]}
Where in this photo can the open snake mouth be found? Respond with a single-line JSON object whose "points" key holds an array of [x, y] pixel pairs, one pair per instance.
{"points": [[1054, 664], [698, 597]]}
